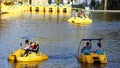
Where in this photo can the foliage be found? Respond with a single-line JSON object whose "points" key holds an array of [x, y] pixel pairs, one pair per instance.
{"points": [[113, 4]]}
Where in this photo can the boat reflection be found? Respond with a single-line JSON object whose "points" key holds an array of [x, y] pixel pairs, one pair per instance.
{"points": [[95, 65], [25, 64]]}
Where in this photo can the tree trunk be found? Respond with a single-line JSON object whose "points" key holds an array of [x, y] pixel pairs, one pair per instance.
{"points": [[105, 4]]}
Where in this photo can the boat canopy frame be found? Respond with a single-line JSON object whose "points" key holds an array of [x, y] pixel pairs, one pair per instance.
{"points": [[92, 39]]}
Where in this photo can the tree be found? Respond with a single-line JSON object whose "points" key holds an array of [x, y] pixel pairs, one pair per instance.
{"points": [[113, 5]]}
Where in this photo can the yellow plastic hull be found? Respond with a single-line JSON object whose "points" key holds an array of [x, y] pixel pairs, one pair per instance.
{"points": [[93, 57], [65, 8], [16, 56], [79, 20], [51, 8], [42, 8]]}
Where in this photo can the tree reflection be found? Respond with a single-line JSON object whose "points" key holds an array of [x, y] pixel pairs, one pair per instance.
{"points": [[95, 65]]}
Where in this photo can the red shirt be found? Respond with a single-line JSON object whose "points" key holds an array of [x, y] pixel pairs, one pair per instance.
{"points": [[31, 47]]}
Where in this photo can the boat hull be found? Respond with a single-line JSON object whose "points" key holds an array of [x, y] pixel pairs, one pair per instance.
{"points": [[93, 57], [17, 56], [79, 20]]}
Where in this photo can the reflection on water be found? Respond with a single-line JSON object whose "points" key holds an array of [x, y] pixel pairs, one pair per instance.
{"points": [[25, 64], [3, 24], [109, 16], [96, 65], [58, 39]]}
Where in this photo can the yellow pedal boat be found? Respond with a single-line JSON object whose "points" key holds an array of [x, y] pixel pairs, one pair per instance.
{"points": [[17, 56], [89, 56], [79, 20]]}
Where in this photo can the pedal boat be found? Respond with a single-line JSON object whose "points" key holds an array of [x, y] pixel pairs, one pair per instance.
{"points": [[79, 20], [17, 56], [91, 57]]}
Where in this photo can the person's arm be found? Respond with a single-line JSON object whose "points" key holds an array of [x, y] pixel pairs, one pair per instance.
{"points": [[35, 48]]}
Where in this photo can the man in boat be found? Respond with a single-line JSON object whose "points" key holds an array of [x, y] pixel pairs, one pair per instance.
{"points": [[86, 49], [26, 46]]}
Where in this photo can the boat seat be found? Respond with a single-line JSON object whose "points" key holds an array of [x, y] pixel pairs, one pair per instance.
{"points": [[86, 52], [99, 51]]}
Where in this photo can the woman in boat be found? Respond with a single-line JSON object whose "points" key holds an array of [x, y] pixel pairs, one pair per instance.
{"points": [[36, 47]]}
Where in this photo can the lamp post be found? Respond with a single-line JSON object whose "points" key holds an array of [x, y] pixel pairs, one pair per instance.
{"points": [[105, 4]]}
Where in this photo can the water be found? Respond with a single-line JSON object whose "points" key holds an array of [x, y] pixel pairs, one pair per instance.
{"points": [[58, 39]]}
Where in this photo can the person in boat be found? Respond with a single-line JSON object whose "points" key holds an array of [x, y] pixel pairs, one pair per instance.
{"points": [[77, 14], [82, 14], [36, 47], [29, 50], [26, 45], [20, 2], [86, 49], [99, 45], [99, 50]]}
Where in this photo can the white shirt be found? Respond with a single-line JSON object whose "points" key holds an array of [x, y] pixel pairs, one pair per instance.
{"points": [[26, 47]]}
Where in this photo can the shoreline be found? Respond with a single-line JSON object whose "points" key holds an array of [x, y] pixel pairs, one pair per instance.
{"points": [[103, 10], [97, 10]]}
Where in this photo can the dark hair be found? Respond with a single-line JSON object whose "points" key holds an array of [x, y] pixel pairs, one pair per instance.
{"points": [[26, 41], [31, 42], [99, 45], [87, 43], [76, 10]]}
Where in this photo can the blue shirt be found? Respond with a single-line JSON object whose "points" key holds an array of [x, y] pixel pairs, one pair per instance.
{"points": [[87, 48]]}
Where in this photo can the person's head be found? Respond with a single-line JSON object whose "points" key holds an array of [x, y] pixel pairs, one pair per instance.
{"points": [[36, 43], [76, 10], [31, 43], [87, 43], [27, 41], [99, 45]]}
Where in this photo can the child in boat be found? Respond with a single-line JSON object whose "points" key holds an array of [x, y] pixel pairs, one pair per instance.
{"points": [[30, 49]]}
